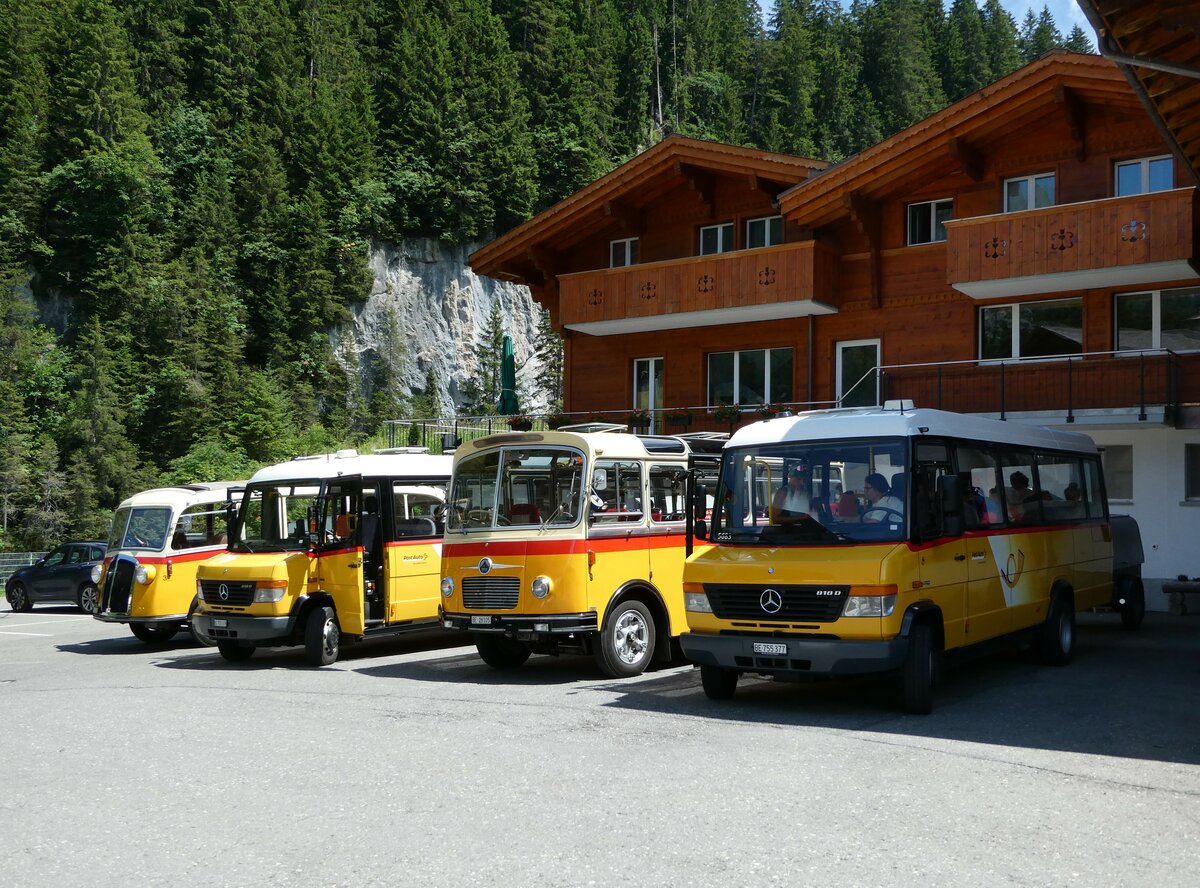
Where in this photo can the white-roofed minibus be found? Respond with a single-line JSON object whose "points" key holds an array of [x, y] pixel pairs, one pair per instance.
{"points": [[948, 531], [327, 550]]}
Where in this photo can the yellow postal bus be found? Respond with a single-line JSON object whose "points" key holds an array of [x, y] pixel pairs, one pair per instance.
{"points": [[569, 541], [328, 549], [946, 531], [156, 541]]}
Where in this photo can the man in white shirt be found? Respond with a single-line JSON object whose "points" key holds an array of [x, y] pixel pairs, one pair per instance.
{"points": [[793, 501], [882, 506]]}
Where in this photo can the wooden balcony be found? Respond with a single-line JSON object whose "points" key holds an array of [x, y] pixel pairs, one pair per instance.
{"points": [[785, 281], [1120, 241]]}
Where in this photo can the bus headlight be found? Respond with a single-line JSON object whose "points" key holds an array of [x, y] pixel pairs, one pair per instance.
{"points": [[695, 599], [144, 574], [270, 591], [199, 591], [447, 587], [870, 601], [540, 587], [97, 570]]}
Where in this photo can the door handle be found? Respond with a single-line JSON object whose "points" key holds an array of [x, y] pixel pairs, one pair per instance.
{"points": [[354, 564], [960, 557]]}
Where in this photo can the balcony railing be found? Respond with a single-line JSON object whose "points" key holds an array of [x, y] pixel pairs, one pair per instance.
{"points": [[1135, 240], [1136, 383], [788, 280]]}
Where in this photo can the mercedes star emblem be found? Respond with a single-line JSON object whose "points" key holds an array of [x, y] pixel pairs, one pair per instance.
{"points": [[770, 601], [223, 591]]}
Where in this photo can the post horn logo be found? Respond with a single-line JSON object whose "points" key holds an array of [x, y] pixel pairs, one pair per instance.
{"points": [[1013, 568]]}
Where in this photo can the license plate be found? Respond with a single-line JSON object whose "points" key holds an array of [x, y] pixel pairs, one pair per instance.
{"points": [[219, 623], [480, 621], [766, 647]]}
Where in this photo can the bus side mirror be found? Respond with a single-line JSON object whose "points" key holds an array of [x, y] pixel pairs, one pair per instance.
{"points": [[700, 502], [950, 498], [700, 529]]}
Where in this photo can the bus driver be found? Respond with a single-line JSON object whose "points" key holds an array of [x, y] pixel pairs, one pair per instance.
{"points": [[793, 502]]}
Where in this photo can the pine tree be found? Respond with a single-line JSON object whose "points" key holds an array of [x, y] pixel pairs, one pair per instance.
{"points": [[968, 64], [548, 350], [1077, 41], [1038, 34], [1000, 32], [901, 73]]}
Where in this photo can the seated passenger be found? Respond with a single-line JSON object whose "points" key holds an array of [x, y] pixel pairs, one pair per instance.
{"points": [[793, 502], [881, 505]]}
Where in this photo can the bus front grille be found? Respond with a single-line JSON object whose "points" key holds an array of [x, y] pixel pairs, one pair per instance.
{"points": [[230, 594], [785, 604], [118, 585], [491, 593]]}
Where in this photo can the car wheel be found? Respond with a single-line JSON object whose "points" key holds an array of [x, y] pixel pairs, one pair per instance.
{"points": [[154, 633], [89, 597], [1134, 609], [235, 652], [322, 637], [718, 683], [500, 652], [918, 670], [625, 645], [1057, 639], [18, 598]]}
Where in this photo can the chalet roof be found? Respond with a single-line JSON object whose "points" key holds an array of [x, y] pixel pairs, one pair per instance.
{"points": [[954, 135], [677, 160], [1156, 45]]}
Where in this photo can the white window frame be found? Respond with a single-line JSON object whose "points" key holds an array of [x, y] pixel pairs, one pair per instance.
{"points": [[1144, 164], [766, 223], [839, 382], [737, 371], [1031, 182], [721, 229], [629, 243], [1014, 347], [1155, 321], [1111, 471], [932, 233], [651, 402]]}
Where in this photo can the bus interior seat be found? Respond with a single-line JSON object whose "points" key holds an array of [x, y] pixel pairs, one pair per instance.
{"points": [[341, 526], [524, 513], [899, 486], [847, 505], [407, 528]]}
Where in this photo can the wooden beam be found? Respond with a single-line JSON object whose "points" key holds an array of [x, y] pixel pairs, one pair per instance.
{"points": [[969, 158], [1075, 112], [624, 215], [701, 183], [865, 215], [549, 263]]}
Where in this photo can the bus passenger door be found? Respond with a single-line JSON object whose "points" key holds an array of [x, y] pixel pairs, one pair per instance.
{"points": [[618, 545], [340, 551], [414, 551], [942, 558]]}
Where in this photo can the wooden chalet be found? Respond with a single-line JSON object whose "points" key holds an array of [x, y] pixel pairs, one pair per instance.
{"points": [[1029, 253]]}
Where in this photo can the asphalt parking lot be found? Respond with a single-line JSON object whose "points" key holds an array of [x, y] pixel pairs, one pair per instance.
{"points": [[410, 762]]}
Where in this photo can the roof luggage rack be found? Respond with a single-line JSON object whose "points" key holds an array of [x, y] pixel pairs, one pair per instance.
{"points": [[586, 427]]}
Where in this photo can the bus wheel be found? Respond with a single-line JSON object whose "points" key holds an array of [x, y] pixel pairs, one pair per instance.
{"points": [[718, 683], [154, 633], [625, 646], [1057, 638], [1134, 608], [322, 637], [234, 652], [501, 652], [917, 672]]}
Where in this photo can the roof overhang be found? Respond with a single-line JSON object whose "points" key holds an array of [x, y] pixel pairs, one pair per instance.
{"points": [[1092, 278], [744, 314]]}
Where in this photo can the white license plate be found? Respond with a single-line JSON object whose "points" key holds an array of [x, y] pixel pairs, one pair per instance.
{"points": [[481, 621], [766, 647], [219, 623]]}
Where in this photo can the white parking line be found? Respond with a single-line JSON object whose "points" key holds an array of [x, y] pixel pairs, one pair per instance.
{"points": [[39, 634], [49, 622]]}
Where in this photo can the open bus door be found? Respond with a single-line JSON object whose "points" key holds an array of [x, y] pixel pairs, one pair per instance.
{"points": [[703, 469]]}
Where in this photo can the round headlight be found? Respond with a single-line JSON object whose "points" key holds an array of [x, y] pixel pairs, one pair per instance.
{"points": [[97, 570], [144, 573], [540, 587], [447, 586]]}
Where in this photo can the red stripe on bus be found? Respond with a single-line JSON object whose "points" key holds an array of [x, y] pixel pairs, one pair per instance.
{"points": [[561, 547]]}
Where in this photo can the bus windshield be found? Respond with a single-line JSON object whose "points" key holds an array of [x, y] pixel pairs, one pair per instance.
{"points": [[141, 527], [518, 488], [813, 493], [276, 517]]}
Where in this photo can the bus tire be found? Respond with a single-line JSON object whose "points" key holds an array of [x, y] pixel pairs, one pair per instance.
{"points": [[154, 633], [1057, 638], [322, 637], [916, 675], [235, 652], [1134, 609], [501, 652], [718, 682], [625, 646]]}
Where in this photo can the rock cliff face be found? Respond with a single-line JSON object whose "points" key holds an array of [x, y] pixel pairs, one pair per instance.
{"points": [[442, 307]]}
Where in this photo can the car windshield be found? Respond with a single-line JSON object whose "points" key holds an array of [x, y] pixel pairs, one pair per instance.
{"points": [[812, 493], [517, 487], [140, 527], [277, 516]]}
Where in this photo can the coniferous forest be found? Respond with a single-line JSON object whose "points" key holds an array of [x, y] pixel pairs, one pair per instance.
{"points": [[188, 188]]}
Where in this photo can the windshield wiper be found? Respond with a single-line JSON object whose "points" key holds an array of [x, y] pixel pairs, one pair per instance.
{"points": [[553, 515]]}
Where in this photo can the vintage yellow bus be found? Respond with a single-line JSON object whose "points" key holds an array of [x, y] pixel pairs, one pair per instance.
{"points": [[947, 531], [156, 541], [569, 541], [326, 550]]}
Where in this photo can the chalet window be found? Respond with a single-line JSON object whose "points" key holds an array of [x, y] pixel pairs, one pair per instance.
{"points": [[765, 232], [759, 376], [1031, 330], [1118, 471], [927, 221], [1159, 319], [1191, 471], [623, 252], [1029, 192], [1144, 175], [716, 239]]}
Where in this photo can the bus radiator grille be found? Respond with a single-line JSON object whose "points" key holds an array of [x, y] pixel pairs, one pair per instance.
{"points": [[788, 604], [118, 586], [236, 594], [491, 593]]}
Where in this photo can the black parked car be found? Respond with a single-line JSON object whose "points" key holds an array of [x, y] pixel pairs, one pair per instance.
{"points": [[63, 575]]}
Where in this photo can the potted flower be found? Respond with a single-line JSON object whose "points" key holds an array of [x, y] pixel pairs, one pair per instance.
{"points": [[769, 411], [727, 414], [681, 417], [639, 419], [558, 420], [520, 423]]}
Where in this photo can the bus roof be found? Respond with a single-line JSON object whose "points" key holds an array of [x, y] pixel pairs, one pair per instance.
{"points": [[183, 495], [611, 444], [349, 462], [873, 422]]}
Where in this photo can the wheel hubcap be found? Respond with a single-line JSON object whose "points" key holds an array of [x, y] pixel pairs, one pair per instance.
{"points": [[630, 637], [329, 637], [88, 600]]}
